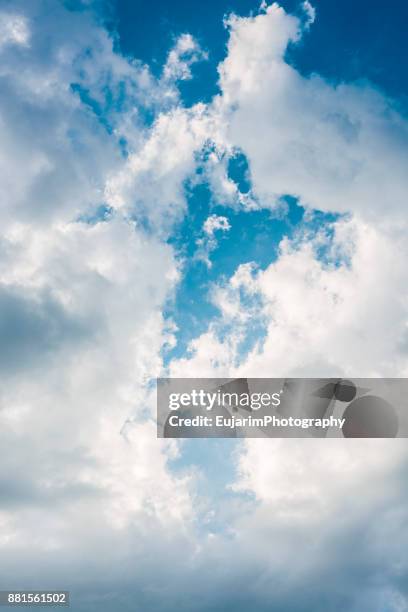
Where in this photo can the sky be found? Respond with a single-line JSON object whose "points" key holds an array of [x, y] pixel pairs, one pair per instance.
{"points": [[199, 189]]}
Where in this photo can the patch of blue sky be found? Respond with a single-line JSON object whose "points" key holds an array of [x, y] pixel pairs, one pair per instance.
{"points": [[326, 251], [239, 171], [97, 215], [355, 41], [214, 462], [94, 105], [168, 20], [342, 45], [255, 333], [114, 101]]}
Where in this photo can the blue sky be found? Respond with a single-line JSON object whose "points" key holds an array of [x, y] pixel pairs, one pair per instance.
{"points": [[349, 41], [199, 189]]}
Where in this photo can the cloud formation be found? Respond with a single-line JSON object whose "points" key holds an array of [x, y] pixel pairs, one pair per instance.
{"points": [[337, 147], [82, 289], [90, 191]]}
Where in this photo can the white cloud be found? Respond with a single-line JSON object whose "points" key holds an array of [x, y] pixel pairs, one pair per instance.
{"points": [[214, 223], [151, 184], [327, 522], [320, 482], [336, 147], [185, 52], [310, 12], [208, 242], [14, 30]]}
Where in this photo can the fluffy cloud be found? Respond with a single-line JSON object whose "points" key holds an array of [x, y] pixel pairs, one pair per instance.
{"points": [[185, 52], [150, 184], [328, 523], [82, 289], [88, 496], [336, 147]]}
